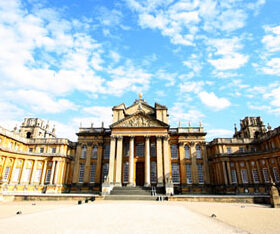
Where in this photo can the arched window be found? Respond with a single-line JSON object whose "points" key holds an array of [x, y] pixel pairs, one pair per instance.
{"points": [[187, 151], [198, 151], [84, 151], [94, 152], [174, 151]]}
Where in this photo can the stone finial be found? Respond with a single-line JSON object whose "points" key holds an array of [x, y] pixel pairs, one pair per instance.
{"points": [[140, 96], [179, 124], [102, 124], [48, 125], [189, 123], [200, 124], [91, 125], [53, 130], [15, 128], [268, 127], [235, 128], [80, 124]]}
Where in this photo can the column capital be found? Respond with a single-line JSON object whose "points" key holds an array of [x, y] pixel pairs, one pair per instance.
{"points": [[100, 144], [131, 137], [113, 137], [181, 143], [192, 143], [165, 137], [119, 137], [147, 137], [159, 136]]}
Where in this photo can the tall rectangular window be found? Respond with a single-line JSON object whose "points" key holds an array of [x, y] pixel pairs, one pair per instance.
{"points": [[6, 174], [30, 149], [255, 176], [106, 151], [48, 176], [229, 150], [187, 151], [174, 151], [175, 173], [27, 174], [244, 176], [275, 173], [265, 175], [126, 149], [153, 150], [140, 149], [125, 172], [38, 174], [233, 176], [189, 174], [92, 172], [198, 151], [84, 151], [54, 150], [41, 150], [82, 173], [241, 150], [153, 172], [94, 152], [105, 170], [200, 173], [16, 174]]}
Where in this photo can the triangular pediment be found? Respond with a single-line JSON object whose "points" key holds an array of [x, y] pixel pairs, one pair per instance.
{"points": [[139, 120]]}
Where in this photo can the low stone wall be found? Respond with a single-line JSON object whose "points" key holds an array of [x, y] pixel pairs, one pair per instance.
{"points": [[229, 199]]}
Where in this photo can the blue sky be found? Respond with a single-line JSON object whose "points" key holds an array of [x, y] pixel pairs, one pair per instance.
{"points": [[70, 61]]}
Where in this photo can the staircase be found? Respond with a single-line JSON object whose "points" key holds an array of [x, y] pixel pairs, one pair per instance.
{"points": [[134, 193]]}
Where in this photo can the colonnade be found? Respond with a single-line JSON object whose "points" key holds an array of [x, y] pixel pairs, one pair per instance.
{"points": [[116, 160]]}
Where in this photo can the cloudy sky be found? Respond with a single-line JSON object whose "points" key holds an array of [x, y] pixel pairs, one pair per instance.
{"points": [[70, 61]]}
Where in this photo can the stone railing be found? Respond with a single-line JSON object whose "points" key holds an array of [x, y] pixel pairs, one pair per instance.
{"points": [[231, 141], [187, 130]]}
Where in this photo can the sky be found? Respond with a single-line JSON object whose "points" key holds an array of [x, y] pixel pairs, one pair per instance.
{"points": [[71, 61]]}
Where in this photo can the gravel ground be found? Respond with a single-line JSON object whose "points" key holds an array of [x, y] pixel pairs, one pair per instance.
{"points": [[109, 217]]}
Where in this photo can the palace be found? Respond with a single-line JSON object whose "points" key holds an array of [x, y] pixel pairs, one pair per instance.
{"points": [[139, 149]]}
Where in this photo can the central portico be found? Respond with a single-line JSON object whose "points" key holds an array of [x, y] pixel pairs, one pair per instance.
{"points": [[139, 145]]}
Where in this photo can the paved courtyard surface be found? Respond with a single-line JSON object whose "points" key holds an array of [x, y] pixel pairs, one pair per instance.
{"points": [[113, 217]]}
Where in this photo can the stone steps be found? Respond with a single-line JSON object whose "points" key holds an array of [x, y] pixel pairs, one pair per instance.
{"points": [[144, 191], [131, 197]]}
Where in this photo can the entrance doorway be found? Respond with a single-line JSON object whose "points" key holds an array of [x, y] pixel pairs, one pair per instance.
{"points": [[140, 170]]}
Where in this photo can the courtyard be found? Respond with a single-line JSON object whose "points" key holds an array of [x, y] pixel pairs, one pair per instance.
{"points": [[137, 217]]}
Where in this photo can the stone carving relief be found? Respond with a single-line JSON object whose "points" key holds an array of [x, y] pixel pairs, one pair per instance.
{"points": [[139, 121]]}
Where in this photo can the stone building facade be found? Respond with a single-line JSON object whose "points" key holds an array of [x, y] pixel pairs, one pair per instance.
{"points": [[139, 149]]}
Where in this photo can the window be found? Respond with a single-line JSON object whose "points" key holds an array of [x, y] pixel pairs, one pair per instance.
{"points": [[233, 176], [153, 150], [126, 149], [6, 174], [229, 150], [107, 151], [30, 149], [27, 173], [16, 174], [265, 175], [188, 174], [38, 175], [16, 146], [140, 149], [54, 150], [94, 152], [125, 172], [241, 150], [200, 173], [174, 151], [82, 172], [175, 173], [275, 173], [187, 151], [255, 176], [48, 176], [84, 151], [153, 172], [244, 176], [10, 145], [198, 151], [41, 150], [254, 149], [105, 170], [92, 172]]}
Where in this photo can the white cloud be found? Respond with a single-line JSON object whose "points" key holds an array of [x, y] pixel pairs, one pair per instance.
{"points": [[218, 133], [271, 40], [178, 113], [99, 114], [272, 67], [192, 86], [170, 78], [226, 54], [211, 100]]}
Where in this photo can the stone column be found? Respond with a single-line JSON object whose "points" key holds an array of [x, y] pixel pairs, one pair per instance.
{"points": [[52, 172], [147, 162], [259, 171], [112, 160], [76, 167], [56, 172], [249, 172], [239, 180], [229, 173], [194, 165], [182, 163], [99, 163], [119, 161], [23, 171], [167, 174], [62, 173], [159, 162], [33, 172], [13, 170], [224, 172], [131, 162], [44, 172], [87, 163]]}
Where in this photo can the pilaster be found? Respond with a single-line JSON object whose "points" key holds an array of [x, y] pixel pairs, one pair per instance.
{"points": [[119, 161], [147, 162]]}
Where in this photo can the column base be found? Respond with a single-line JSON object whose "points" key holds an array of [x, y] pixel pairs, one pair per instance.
{"points": [[131, 185], [160, 185], [147, 185], [118, 184]]}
